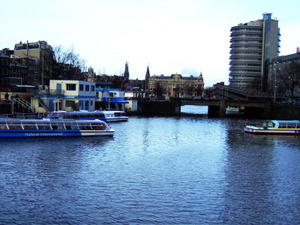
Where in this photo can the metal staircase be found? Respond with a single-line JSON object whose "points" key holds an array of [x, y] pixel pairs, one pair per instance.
{"points": [[23, 103], [43, 104]]}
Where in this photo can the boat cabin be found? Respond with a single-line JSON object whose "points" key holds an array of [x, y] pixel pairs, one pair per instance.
{"points": [[48, 124], [281, 124]]}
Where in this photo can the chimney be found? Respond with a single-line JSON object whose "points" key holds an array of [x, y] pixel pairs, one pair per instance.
{"points": [[298, 50]]}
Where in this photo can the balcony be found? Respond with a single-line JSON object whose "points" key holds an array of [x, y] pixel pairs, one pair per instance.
{"points": [[52, 92]]}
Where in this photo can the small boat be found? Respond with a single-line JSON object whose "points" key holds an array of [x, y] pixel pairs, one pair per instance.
{"points": [[232, 110], [275, 127], [53, 128], [114, 116], [107, 116]]}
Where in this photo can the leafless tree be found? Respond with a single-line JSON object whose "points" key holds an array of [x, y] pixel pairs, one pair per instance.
{"points": [[69, 64], [289, 79]]}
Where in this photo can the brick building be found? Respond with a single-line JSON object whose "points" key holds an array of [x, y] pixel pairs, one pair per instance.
{"points": [[176, 85]]}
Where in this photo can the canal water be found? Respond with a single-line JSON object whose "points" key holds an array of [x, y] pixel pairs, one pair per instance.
{"points": [[155, 170]]}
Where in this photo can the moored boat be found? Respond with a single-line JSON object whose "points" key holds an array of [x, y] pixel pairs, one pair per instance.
{"points": [[291, 127], [114, 116], [53, 128], [107, 116]]}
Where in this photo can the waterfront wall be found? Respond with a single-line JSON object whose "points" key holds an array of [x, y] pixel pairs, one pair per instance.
{"points": [[158, 108], [5, 107], [268, 111], [285, 112]]}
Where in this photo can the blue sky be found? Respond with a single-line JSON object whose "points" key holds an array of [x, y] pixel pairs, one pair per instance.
{"points": [[171, 36]]}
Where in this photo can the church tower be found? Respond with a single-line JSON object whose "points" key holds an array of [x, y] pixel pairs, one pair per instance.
{"points": [[147, 77], [126, 72]]}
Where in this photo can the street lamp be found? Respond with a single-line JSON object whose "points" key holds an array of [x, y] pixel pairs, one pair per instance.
{"points": [[275, 81], [109, 103]]}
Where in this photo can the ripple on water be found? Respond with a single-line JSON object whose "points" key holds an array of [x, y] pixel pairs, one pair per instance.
{"points": [[184, 170]]}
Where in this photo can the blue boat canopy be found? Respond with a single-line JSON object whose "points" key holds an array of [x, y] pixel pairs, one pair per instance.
{"points": [[115, 100]]}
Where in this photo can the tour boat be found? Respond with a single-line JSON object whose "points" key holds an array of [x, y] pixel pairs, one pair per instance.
{"points": [[53, 128], [107, 116], [275, 127]]}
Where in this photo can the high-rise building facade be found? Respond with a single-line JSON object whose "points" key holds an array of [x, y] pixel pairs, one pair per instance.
{"points": [[252, 44]]}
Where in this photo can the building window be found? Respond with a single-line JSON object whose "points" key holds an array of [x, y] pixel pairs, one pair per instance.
{"points": [[71, 87], [81, 86], [86, 105], [69, 103], [81, 104], [91, 103], [87, 87], [93, 88]]}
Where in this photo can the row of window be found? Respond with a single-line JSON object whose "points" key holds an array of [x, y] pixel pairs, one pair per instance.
{"points": [[245, 35], [243, 71], [246, 29], [242, 77], [58, 126], [236, 57], [247, 41], [244, 65], [82, 87]]}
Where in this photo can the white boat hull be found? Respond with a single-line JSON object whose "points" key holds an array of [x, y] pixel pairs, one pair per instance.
{"points": [[261, 130]]}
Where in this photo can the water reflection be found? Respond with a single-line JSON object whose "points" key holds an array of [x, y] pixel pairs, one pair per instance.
{"points": [[250, 176], [187, 170]]}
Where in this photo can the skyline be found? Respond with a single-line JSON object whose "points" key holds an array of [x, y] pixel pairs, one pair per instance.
{"points": [[187, 37]]}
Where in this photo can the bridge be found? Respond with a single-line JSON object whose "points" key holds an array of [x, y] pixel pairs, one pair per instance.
{"points": [[253, 103], [217, 107], [218, 102]]}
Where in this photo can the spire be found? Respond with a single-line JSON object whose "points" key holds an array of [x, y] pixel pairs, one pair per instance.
{"points": [[147, 74], [146, 82], [126, 72], [201, 76]]}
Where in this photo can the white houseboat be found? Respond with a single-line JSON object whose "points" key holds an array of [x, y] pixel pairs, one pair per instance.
{"points": [[275, 127], [107, 116]]}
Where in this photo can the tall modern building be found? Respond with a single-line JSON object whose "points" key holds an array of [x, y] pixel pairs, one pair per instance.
{"points": [[252, 44]]}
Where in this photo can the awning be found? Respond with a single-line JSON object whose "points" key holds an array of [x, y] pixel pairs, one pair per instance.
{"points": [[114, 100], [25, 86], [120, 102]]}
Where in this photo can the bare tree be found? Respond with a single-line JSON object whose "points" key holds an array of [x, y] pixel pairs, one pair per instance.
{"points": [[289, 79], [69, 64]]}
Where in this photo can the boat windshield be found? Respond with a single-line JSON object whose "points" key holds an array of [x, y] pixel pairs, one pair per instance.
{"points": [[79, 115], [268, 124], [119, 114]]}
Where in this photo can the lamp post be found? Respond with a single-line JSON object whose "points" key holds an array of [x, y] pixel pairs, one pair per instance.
{"points": [[275, 81], [109, 103]]}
